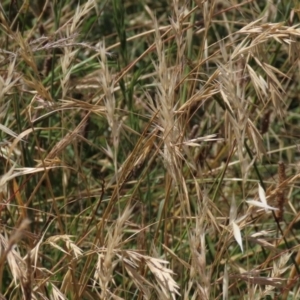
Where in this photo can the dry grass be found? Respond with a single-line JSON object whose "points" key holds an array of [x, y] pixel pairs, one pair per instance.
{"points": [[149, 150]]}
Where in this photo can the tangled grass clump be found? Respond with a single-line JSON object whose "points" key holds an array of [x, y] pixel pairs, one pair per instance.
{"points": [[149, 150]]}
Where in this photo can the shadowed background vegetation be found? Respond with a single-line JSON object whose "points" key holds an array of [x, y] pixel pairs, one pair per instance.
{"points": [[149, 149]]}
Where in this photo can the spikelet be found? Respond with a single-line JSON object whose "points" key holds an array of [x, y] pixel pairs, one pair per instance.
{"points": [[280, 193]]}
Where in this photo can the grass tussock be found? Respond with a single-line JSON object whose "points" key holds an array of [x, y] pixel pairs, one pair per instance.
{"points": [[149, 150]]}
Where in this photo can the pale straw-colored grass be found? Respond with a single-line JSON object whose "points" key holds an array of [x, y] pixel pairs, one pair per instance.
{"points": [[149, 150]]}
